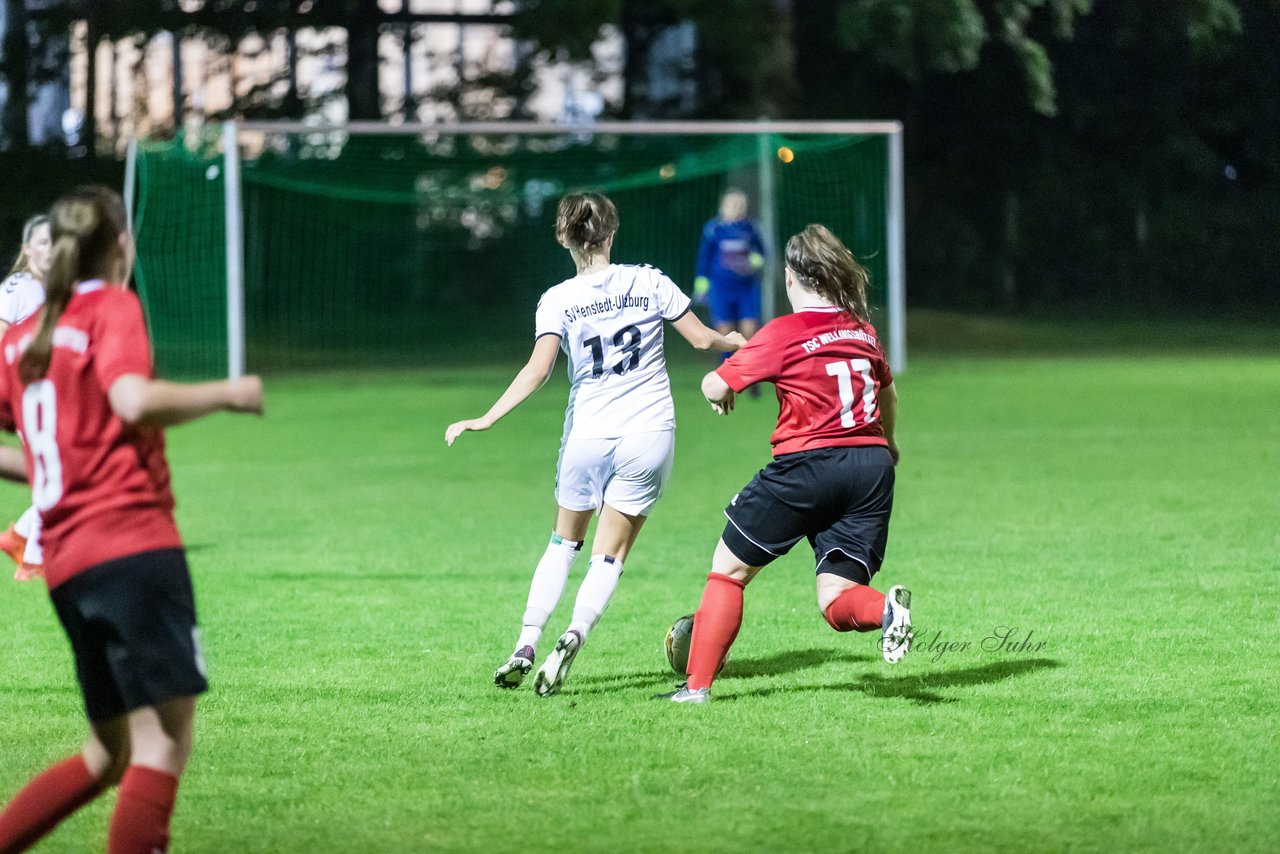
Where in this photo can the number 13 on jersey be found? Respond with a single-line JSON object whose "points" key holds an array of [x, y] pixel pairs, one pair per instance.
{"points": [[844, 372], [628, 338]]}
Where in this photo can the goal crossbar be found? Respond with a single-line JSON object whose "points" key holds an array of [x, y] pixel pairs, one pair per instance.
{"points": [[695, 128]]}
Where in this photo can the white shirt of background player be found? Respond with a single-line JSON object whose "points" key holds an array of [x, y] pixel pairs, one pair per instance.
{"points": [[23, 291], [21, 295]]}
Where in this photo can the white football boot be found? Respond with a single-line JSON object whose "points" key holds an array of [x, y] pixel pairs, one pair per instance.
{"points": [[511, 674], [555, 669], [897, 635], [685, 694]]}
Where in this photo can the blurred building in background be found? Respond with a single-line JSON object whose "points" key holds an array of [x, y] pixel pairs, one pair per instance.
{"points": [[35, 92], [432, 60]]}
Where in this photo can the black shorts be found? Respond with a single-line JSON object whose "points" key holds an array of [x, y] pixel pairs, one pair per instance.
{"points": [[839, 498], [132, 627]]}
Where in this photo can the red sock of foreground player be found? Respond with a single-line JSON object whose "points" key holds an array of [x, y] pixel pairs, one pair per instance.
{"points": [[858, 609], [50, 797], [140, 824], [715, 625]]}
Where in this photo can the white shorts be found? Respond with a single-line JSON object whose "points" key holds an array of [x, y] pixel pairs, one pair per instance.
{"points": [[627, 473]]}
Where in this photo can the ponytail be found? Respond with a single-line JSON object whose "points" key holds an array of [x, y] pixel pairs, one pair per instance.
{"points": [[824, 265], [58, 287], [86, 228]]}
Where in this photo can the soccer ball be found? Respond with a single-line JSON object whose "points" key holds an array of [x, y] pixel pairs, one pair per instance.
{"points": [[679, 637]]}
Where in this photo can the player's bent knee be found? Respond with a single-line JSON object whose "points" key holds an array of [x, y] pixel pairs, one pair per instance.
{"points": [[162, 736], [572, 524], [166, 754], [829, 588], [726, 562], [115, 770], [106, 755]]}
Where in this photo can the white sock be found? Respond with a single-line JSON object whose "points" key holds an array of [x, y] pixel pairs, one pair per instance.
{"points": [[594, 594], [33, 553], [547, 587], [22, 527]]}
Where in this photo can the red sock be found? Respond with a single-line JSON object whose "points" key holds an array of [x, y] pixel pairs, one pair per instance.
{"points": [[715, 625], [858, 609], [140, 824], [50, 797]]}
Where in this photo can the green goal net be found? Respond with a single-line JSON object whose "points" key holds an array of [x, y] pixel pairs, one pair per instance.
{"points": [[416, 247]]}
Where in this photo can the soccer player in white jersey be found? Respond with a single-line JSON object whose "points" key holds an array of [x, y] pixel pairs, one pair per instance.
{"points": [[23, 291], [20, 296], [619, 426]]}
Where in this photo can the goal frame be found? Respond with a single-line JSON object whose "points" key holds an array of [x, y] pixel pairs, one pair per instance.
{"points": [[895, 285]]}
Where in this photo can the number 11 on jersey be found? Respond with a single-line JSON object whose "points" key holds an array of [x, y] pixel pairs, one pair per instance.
{"points": [[844, 379]]}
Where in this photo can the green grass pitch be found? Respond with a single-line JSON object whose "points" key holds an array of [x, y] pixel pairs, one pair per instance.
{"points": [[358, 582]]}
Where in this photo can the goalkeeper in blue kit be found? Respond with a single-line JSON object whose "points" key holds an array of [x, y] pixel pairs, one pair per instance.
{"points": [[730, 261]]}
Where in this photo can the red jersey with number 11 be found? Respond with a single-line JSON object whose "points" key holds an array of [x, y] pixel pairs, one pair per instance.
{"points": [[828, 368], [102, 488]]}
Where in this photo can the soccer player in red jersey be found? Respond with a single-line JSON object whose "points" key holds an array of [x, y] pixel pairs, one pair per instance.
{"points": [[831, 479], [76, 383]]}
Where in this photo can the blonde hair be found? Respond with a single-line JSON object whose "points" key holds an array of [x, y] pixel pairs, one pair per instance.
{"points": [[86, 227], [22, 263], [825, 266], [585, 222]]}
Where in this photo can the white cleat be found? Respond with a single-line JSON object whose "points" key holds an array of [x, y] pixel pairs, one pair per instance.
{"points": [[895, 643], [685, 694], [511, 674], [555, 669]]}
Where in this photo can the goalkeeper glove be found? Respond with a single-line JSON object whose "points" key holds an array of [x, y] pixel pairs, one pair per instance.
{"points": [[701, 287], [756, 260]]}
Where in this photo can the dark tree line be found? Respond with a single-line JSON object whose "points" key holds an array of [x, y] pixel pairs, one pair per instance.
{"points": [[1105, 153], [1114, 154], [1098, 153]]}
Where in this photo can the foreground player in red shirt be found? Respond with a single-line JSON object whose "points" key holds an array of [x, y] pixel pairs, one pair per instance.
{"points": [[831, 480], [75, 382]]}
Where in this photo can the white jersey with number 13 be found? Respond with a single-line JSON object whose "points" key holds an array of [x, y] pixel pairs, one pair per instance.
{"points": [[610, 325]]}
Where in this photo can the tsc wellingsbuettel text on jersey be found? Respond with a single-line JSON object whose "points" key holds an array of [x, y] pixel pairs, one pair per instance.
{"points": [[838, 335]]}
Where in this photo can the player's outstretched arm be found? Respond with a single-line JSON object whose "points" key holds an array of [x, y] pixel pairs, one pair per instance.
{"points": [[889, 417], [718, 393], [139, 401], [703, 337], [532, 377], [12, 465]]}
